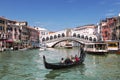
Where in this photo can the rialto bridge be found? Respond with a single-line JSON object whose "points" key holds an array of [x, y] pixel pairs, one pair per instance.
{"points": [[54, 38]]}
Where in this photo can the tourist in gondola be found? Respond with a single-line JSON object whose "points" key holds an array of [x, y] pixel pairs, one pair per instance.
{"points": [[68, 60], [62, 60], [72, 58], [76, 58]]}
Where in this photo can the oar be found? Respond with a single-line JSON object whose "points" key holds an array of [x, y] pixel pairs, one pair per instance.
{"points": [[78, 51]]}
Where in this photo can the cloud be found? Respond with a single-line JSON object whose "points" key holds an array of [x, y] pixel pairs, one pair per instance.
{"points": [[110, 14]]}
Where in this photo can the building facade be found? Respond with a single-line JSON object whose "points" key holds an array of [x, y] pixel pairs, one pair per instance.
{"points": [[108, 29], [3, 36], [15, 34]]}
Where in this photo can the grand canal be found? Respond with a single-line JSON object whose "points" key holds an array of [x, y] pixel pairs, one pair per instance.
{"points": [[28, 65]]}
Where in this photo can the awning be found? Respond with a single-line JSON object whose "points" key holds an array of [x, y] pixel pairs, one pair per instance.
{"points": [[9, 41], [3, 39]]}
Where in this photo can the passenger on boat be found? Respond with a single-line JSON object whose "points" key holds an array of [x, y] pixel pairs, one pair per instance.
{"points": [[76, 58], [68, 60], [72, 58], [62, 60]]}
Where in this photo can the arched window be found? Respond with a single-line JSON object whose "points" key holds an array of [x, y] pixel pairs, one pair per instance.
{"points": [[74, 35], [86, 37], [82, 36], [55, 36], [51, 37], [63, 35], [47, 38], [78, 35], [94, 40], [90, 38], [43, 39], [59, 36]]}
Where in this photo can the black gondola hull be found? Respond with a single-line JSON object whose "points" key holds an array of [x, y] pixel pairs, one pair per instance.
{"points": [[59, 65]]}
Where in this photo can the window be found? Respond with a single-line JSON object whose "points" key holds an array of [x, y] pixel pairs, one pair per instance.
{"points": [[74, 35], [63, 35], [78, 35], [90, 38], [86, 37], [2, 22], [55, 36], [90, 46], [51, 37], [82, 36], [0, 27], [43, 39], [47, 38], [59, 36]]}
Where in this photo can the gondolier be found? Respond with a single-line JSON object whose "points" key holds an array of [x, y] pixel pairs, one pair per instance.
{"points": [[82, 53]]}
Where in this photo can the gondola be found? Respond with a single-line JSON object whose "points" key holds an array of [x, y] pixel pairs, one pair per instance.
{"points": [[60, 65]]}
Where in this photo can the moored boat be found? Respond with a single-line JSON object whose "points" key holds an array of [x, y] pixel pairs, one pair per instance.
{"points": [[113, 46], [118, 52], [68, 46], [96, 48], [60, 65], [23, 49]]}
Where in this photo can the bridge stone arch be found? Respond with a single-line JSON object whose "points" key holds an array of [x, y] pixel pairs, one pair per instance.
{"points": [[52, 43]]}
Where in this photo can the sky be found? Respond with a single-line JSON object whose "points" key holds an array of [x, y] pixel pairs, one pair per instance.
{"points": [[55, 15]]}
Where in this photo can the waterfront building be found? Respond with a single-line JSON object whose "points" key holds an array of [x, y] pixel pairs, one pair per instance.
{"points": [[42, 32], [118, 29], [108, 29], [25, 35], [98, 29], [86, 29], [3, 36], [9, 33], [33, 37], [15, 34]]}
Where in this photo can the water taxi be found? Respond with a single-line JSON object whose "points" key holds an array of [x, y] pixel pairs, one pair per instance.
{"points": [[96, 48]]}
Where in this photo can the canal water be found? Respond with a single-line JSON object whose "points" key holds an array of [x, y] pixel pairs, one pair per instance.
{"points": [[28, 65]]}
